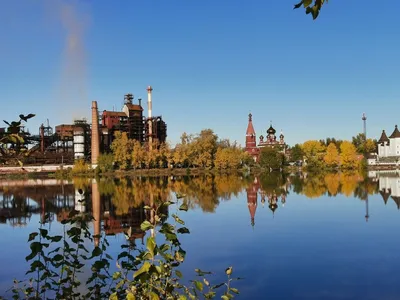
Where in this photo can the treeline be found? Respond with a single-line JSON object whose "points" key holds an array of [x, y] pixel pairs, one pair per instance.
{"points": [[203, 150], [333, 154]]}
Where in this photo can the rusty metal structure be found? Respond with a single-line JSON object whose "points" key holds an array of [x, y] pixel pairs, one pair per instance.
{"points": [[82, 140]]}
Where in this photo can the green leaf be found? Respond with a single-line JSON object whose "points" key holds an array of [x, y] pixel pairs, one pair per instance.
{"points": [[56, 238], [146, 225], [116, 275], [96, 252], [182, 297], [307, 3], [32, 236], [151, 245], [183, 230], [236, 291], [154, 296], [143, 269], [225, 297], [184, 207], [36, 247], [178, 273], [178, 220], [113, 296], [198, 285], [43, 232], [130, 296]]}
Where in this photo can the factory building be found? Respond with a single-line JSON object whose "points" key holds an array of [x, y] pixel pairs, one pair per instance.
{"points": [[82, 140]]}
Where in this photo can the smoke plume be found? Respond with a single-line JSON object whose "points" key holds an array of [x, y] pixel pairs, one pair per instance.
{"points": [[71, 89]]}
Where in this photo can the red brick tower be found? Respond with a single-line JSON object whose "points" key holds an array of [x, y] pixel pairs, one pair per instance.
{"points": [[251, 143]]}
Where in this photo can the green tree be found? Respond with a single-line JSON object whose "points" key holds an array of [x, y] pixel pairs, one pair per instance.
{"points": [[296, 153], [311, 7], [271, 158]]}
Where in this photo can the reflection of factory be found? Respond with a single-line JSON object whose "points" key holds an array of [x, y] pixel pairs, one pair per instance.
{"points": [[252, 192], [74, 141]]}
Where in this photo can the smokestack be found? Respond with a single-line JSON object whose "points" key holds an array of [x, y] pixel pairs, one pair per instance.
{"points": [[140, 101], [149, 104], [96, 212], [95, 134], [42, 138], [149, 90]]}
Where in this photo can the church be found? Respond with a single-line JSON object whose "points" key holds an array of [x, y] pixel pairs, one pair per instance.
{"points": [[389, 146], [270, 140]]}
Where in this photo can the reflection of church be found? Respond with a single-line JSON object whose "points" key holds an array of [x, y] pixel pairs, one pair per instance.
{"points": [[270, 140], [252, 192], [389, 187]]}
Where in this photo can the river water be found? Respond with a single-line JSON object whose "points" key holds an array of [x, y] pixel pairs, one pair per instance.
{"points": [[294, 236]]}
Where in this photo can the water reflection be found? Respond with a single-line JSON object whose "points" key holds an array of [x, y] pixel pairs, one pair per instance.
{"points": [[310, 201], [118, 204]]}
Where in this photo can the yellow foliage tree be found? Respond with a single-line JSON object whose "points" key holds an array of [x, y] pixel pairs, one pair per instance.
{"points": [[122, 148], [138, 155], [331, 157], [313, 152], [370, 146], [348, 156]]}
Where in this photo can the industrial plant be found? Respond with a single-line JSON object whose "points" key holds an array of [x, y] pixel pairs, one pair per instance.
{"points": [[82, 140]]}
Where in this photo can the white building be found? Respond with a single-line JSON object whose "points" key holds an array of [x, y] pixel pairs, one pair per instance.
{"points": [[389, 147]]}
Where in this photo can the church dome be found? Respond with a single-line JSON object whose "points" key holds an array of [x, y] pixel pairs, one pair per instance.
{"points": [[271, 130]]}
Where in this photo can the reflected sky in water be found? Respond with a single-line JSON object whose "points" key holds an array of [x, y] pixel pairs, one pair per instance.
{"points": [[298, 236]]}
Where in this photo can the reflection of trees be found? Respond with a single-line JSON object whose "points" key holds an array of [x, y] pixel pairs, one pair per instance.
{"points": [[332, 183], [348, 183], [199, 191]]}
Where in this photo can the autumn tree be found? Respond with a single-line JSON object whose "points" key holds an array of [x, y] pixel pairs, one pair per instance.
{"points": [[331, 157], [122, 148], [138, 155], [314, 152], [348, 156], [205, 148]]}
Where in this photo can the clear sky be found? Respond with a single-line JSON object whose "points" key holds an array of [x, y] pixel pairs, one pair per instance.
{"points": [[210, 63]]}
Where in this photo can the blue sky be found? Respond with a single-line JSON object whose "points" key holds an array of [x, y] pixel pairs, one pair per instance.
{"points": [[210, 63]]}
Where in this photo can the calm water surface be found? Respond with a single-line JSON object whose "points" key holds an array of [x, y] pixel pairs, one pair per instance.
{"points": [[291, 237]]}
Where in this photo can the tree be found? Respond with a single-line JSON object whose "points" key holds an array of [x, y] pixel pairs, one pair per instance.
{"points": [[138, 155], [296, 153], [314, 152], [331, 157], [370, 146], [122, 148], [348, 156], [311, 7], [271, 158]]}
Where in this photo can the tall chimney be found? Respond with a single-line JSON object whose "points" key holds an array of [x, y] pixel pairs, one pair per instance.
{"points": [[42, 138], [149, 104], [149, 90], [140, 101], [95, 134]]}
